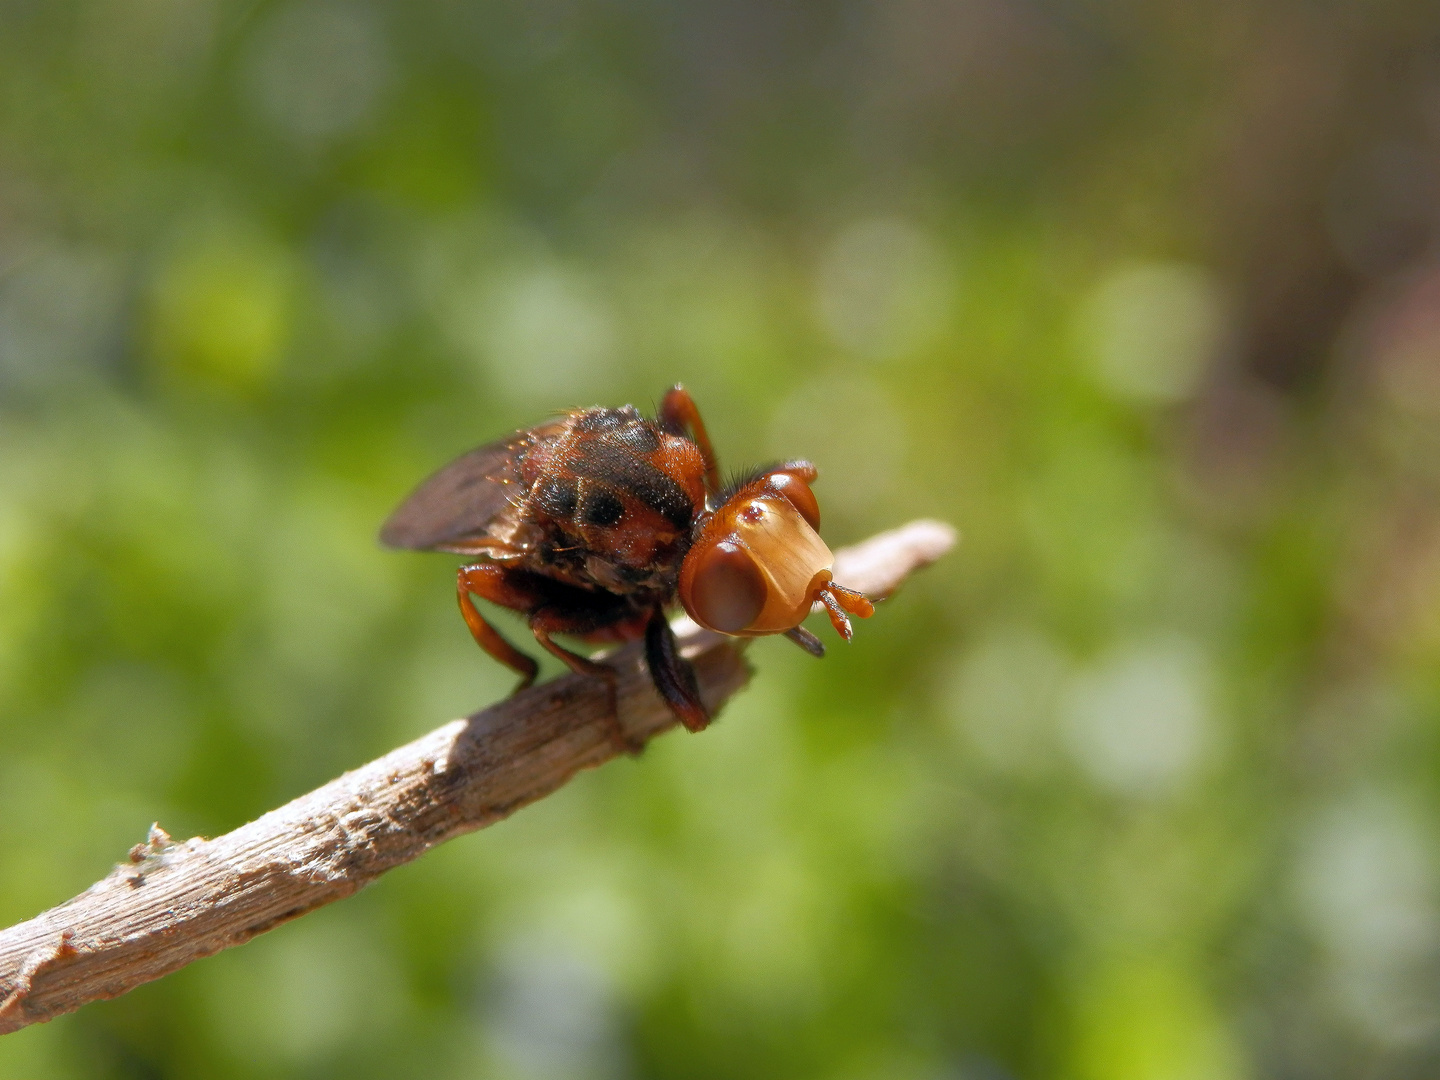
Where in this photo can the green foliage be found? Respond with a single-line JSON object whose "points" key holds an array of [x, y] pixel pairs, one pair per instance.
{"points": [[1138, 785]]}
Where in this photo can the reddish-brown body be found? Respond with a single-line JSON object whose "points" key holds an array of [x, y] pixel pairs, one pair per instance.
{"points": [[610, 502], [594, 523]]}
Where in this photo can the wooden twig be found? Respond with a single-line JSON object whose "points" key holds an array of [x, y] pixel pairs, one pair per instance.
{"points": [[174, 902]]}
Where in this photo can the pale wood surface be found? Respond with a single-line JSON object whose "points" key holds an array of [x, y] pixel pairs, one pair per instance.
{"points": [[172, 903]]}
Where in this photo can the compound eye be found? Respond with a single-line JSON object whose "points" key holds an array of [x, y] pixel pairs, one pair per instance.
{"points": [[799, 495], [728, 591]]}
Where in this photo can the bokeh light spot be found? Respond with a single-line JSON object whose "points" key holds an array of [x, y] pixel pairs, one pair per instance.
{"points": [[1003, 698], [552, 1013], [1149, 1020], [850, 424], [317, 71], [1139, 721], [537, 331], [1366, 881], [1150, 329], [56, 307], [884, 289], [221, 311]]}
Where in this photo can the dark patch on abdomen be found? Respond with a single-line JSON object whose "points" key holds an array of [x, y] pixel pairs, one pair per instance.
{"points": [[601, 506], [555, 496], [618, 468]]}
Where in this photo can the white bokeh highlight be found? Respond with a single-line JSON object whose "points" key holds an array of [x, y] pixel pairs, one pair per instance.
{"points": [[1003, 696], [553, 1012], [1139, 721], [542, 330], [1149, 330], [59, 306], [317, 71], [1366, 883], [884, 288]]}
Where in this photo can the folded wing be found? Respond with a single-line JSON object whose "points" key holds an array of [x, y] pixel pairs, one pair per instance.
{"points": [[457, 508]]}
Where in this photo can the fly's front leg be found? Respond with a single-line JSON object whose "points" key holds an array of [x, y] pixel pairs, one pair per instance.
{"points": [[672, 674], [492, 582], [839, 601], [679, 415], [547, 621]]}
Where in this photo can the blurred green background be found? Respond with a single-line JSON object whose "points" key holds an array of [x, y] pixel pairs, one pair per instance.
{"points": [[1139, 785]]}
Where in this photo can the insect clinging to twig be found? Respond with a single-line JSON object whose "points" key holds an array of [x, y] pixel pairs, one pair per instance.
{"points": [[594, 523]]}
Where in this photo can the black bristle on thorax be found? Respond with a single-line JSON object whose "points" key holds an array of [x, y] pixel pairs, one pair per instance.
{"points": [[738, 480]]}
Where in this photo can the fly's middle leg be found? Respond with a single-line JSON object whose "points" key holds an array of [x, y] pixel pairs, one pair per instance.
{"points": [[545, 622], [491, 582]]}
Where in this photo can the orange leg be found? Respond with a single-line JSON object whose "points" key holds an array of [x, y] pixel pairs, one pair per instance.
{"points": [[545, 622], [488, 580], [839, 600], [678, 413]]}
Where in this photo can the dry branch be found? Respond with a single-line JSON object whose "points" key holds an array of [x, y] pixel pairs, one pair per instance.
{"points": [[172, 903]]}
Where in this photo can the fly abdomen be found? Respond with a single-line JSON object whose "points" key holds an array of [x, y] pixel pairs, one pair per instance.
{"points": [[556, 496], [600, 506], [619, 469]]}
